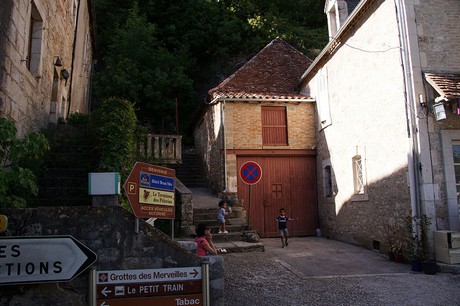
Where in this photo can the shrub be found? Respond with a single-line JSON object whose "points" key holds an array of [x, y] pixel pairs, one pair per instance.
{"points": [[77, 118], [20, 160], [112, 127]]}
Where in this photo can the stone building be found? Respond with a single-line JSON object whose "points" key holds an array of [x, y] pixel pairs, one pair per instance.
{"points": [[385, 151], [257, 115], [46, 60]]}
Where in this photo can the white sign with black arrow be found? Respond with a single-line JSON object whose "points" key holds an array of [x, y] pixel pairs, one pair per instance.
{"points": [[42, 259]]}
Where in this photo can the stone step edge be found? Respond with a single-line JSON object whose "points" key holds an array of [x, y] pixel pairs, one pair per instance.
{"points": [[228, 246]]}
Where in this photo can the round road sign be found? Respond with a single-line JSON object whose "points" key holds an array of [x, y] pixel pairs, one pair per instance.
{"points": [[251, 172]]}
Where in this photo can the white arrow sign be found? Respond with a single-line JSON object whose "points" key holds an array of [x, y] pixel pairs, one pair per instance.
{"points": [[42, 259]]}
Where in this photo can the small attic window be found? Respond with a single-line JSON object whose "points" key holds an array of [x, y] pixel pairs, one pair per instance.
{"points": [[337, 12], [274, 126]]}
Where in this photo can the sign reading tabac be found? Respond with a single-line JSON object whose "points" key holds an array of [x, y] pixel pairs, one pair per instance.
{"points": [[150, 191]]}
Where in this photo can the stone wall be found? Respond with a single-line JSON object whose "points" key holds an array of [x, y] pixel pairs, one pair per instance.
{"points": [[109, 232], [243, 131], [33, 97], [438, 34]]}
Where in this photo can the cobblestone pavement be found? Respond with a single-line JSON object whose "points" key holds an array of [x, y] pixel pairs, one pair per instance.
{"points": [[318, 271]]}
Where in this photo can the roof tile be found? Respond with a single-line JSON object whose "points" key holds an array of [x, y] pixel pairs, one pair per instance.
{"points": [[272, 73]]}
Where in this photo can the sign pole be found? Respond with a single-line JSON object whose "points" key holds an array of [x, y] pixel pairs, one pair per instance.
{"points": [[92, 296], [205, 281], [249, 208], [250, 173], [136, 225]]}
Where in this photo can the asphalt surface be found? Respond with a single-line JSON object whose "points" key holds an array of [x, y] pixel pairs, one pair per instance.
{"points": [[319, 271]]}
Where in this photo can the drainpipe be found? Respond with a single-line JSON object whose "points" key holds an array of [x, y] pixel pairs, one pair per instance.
{"points": [[77, 20], [224, 145], [411, 128]]}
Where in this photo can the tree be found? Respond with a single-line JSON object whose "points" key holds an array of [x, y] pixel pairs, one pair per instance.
{"points": [[139, 68], [20, 159], [178, 50]]}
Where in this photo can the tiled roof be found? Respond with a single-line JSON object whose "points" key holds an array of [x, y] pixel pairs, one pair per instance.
{"points": [[273, 73], [446, 84]]}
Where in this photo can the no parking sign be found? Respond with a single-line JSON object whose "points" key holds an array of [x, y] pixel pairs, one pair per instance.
{"points": [[251, 172]]}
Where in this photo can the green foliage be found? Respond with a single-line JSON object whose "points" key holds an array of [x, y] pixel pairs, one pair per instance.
{"points": [[140, 69], [415, 237], [20, 160], [113, 126], [78, 118], [157, 52]]}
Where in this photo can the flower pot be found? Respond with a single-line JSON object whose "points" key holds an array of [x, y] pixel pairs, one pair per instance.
{"points": [[430, 267], [416, 265], [398, 258]]}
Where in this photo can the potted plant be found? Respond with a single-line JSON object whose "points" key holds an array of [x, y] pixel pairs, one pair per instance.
{"points": [[395, 242], [417, 240], [429, 266]]}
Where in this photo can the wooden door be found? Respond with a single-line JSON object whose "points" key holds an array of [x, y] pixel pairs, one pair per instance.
{"points": [[287, 182]]}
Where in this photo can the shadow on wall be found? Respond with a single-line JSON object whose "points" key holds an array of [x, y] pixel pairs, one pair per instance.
{"points": [[362, 221]]}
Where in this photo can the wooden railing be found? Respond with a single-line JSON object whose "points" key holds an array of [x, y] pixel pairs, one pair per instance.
{"points": [[162, 148]]}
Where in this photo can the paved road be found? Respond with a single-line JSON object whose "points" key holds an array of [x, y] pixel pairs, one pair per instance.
{"points": [[318, 271]]}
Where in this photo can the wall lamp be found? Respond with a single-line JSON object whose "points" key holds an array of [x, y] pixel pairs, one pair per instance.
{"points": [[58, 62], [64, 74], [438, 108]]}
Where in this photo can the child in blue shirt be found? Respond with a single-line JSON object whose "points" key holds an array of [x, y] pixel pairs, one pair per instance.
{"points": [[221, 216], [282, 220]]}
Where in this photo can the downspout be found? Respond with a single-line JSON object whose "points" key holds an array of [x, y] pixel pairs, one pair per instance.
{"points": [[411, 128], [77, 20], [224, 146]]}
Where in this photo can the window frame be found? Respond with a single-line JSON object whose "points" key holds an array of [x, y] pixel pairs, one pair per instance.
{"points": [[280, 127], [360, 190]]}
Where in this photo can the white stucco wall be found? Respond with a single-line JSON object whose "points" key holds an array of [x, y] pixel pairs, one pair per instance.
{"points": [[368, 117]]}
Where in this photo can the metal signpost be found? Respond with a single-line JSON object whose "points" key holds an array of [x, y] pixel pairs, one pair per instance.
{"points": [[42, 259], [250, 173], [166, 287]]}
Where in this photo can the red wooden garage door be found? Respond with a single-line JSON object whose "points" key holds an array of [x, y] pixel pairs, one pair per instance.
{"points": [[287, 182]]}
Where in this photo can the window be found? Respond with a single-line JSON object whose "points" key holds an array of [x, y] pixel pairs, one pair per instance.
{"points": [[274, 126], [456, 156], [35, 41], [358, 180], [322, 101], [360, 192], [328, 181], [450, 140], [337, 12]]}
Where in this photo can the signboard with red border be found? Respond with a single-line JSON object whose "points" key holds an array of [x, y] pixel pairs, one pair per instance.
{"points": [[151, 191], [251, 172]]}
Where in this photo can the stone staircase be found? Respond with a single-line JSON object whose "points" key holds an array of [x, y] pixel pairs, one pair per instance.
{"points": [[64, 180], [205, 207], [235, 223], [191, 172]]}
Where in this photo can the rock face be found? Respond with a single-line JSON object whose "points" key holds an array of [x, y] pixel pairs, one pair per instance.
{"points": [[250, 236]]}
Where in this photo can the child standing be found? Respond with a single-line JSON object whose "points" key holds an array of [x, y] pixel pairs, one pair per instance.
{"points": [[221, 216], [282, 220]]}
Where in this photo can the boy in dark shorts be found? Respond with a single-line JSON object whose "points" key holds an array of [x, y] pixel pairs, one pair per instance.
{"points": [[282, 220]]}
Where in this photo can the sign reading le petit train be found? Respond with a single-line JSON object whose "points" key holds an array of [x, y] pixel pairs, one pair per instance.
{"points": [[150, 191]]}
